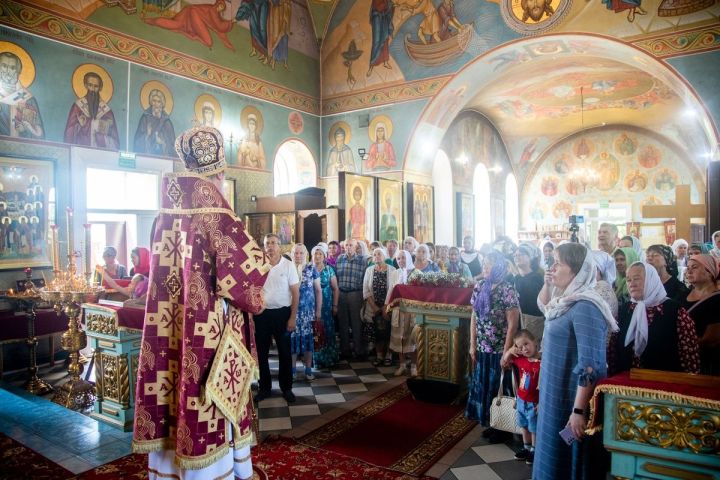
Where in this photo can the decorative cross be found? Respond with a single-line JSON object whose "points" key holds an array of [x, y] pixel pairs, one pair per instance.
{"points": [[682, 211]]}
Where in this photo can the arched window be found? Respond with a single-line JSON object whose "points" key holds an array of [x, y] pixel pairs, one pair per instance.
{"points": [[481, 189], [512, 216], [294, 168], [442, 181]]}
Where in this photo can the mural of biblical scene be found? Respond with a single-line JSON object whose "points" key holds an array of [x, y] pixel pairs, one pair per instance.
{"points": [[390, 205], [421, 218], [19, 110], [91, 121], [382, 154], [340, 156], [208, 112], [277, 34], [251, 153], [24, 217], [357, 198], [155, 133], [533, 16], [619, 166]]}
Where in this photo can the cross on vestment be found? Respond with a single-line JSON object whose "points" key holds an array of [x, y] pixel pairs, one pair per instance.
{"points": [[682, 211]]}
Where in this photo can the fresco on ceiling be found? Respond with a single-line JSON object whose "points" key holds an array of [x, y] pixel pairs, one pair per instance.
{"points": [[372, 44], [612, 164], [278, 35], [54, 92]]}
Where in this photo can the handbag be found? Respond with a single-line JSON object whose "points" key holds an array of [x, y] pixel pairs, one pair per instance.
{"points": [[503, 409], [366, 313]]}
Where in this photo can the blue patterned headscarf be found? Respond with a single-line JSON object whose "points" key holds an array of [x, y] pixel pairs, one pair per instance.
{"points": [[497, 274]]}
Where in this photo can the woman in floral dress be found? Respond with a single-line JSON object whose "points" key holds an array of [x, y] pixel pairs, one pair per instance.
{"points": [[326, 356], [301, 340], [495, 320]]}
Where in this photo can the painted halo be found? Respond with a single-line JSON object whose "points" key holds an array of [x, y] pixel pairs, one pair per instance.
{"points": [[532, 17], [387, 123], [78, 85], [345, 126], [200, 102], [27, 75], [245, 115], [156, 85]]}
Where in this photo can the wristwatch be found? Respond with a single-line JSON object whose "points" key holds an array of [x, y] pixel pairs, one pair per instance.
{"points": [[579, 411]]}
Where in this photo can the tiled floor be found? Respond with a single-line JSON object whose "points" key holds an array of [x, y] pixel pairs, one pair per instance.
{"points": [[79, 443]]}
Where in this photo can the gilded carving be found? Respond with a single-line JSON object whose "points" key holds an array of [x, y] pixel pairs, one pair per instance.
{"points": [[419, 331], [98, 375], [671, 427], [438, 346], [101, 323], [464, 310], [124, 381], [111, 389]]}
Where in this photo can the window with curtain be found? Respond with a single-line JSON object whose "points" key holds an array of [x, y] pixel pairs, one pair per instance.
{"points": [[443, 184], [512, 215], [294, 168], [481, 189]]}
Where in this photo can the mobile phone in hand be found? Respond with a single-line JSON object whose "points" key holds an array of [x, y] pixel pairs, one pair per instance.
{"points": [[567, 435]]}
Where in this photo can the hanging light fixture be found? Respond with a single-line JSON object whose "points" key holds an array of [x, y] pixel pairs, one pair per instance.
{"points": [[584, 173]]}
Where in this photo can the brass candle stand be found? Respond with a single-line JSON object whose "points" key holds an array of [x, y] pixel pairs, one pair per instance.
{"points": [[27, 299], [66, 293]]}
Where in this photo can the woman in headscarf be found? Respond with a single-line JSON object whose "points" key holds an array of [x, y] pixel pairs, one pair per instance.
{"points": [[703, 305], [494, 321], [326, 354], [455, 265], [423, 263], [471, 257], [376, 284], [333, 253], [442, 253], [663, 259], [363, 250], [680, 249], [634, 243], [528, 283], [574, 359], [698, 249], [547, 250], [715, 252], [401, 324], [140, 258], [624, 257], [302, 341], [655, 331], [410, 244], [606, 273]]}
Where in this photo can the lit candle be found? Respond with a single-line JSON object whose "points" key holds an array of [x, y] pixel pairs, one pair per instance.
{"points": [[71, 243], [55, 248], [87, 249]]}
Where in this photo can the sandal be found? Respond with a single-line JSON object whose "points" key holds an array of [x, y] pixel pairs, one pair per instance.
{"points": [[387, 362]]}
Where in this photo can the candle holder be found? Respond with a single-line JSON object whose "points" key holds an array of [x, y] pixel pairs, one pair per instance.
{"points": [[27, 299], [67, 291]]}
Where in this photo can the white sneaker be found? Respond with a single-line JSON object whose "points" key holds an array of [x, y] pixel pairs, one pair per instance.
{"points": [[413, 370], [309, 376], [401, 370]]}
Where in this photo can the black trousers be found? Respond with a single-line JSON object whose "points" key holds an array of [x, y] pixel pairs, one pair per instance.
{"points": [[272, 323]]}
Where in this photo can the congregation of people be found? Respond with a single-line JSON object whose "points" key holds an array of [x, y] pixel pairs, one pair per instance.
{"points": [[563, 315]]}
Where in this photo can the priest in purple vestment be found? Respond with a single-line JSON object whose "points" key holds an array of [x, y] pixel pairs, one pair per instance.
{"points": [[193, 409]]}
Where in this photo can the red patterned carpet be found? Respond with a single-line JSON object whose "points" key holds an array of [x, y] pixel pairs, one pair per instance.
{"points": [[386, 431], [18, 461]]}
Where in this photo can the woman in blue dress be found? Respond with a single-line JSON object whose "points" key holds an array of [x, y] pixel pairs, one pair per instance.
{"points": [[495, 319], [326, 355], [577, 320], [423, 263], [301, 340]]}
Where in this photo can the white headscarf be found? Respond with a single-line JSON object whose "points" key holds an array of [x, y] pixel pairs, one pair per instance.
{"points": [[638, 248], [365, 251], [581, 288], [654, 294], [605, 263], [409, 266], [320, 246]]}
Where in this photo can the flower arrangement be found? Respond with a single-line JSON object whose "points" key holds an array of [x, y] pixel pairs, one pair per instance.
{"points": [[439, 279]]}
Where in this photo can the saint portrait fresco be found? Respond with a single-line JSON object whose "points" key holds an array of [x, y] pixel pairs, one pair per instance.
{"points": [[533, 16], [340, 158], [251, 153], [562, 210], [583, 148], [19, 110], [421, 209], [563, 164], [665, 180], [649, 156], [155, 133], [358, 201], [636, 181], [390, 205], [549, 186], [625, 144], [382, 154], [208, 112], [91, 121], [608, 169], [295, 123]]}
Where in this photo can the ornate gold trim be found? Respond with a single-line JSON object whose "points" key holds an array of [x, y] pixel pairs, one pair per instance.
{"points": [[406, 303], [419, 331], [676, 472], [695, 40], [124, 382], [101, 323], [668, 427]]}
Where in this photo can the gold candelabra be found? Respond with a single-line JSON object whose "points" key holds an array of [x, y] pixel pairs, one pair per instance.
{"points": [[66, 292]]}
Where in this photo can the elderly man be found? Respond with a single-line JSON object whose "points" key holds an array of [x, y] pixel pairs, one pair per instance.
{"points": [[607, 237], [351, 268], [19, 111], [277, 321], [193, 408]]}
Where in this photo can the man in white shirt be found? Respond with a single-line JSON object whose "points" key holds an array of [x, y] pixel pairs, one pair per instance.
{"points": [[277, 320]]}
